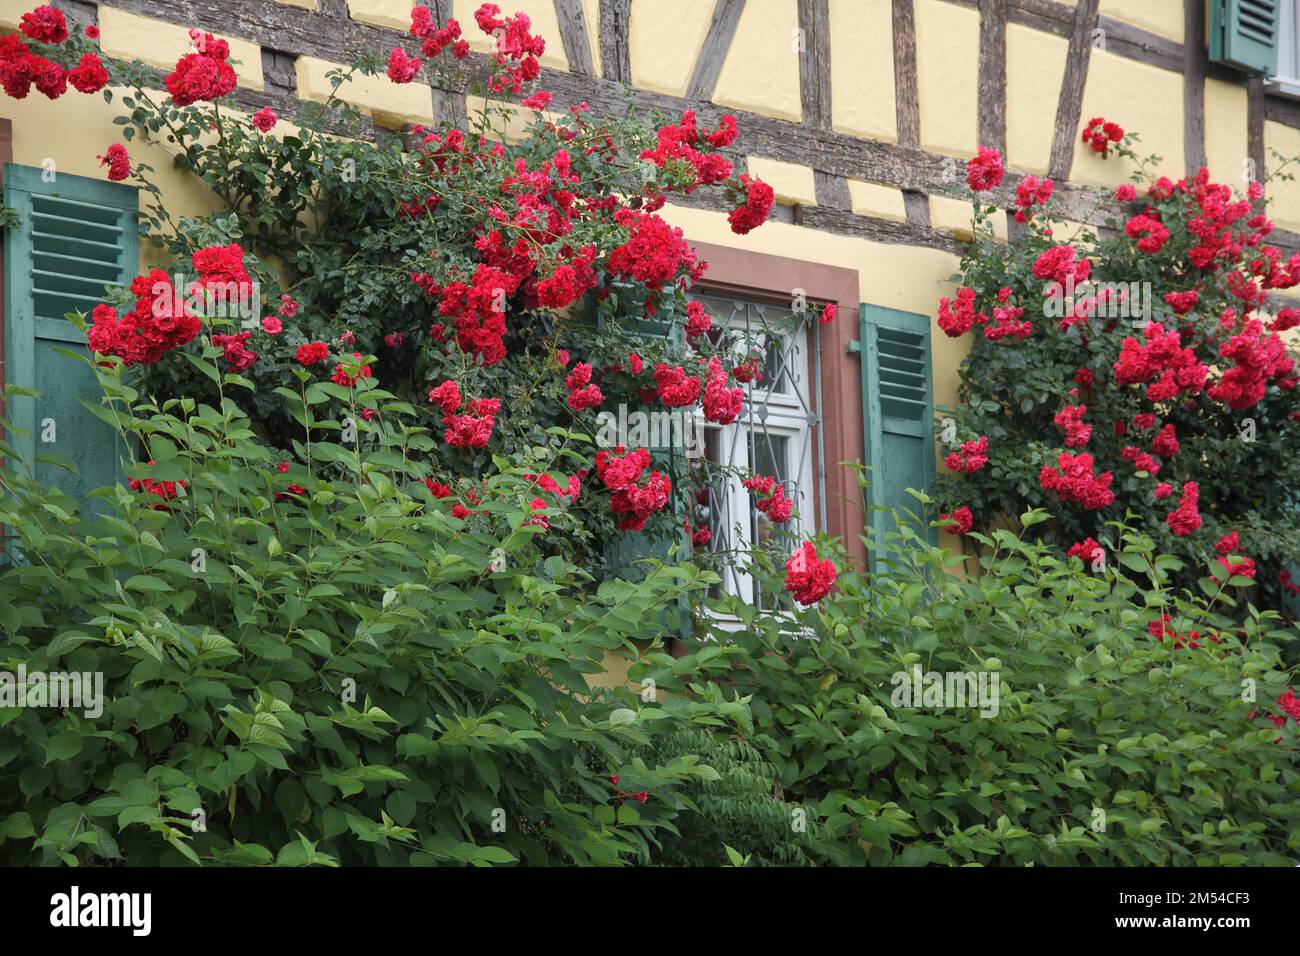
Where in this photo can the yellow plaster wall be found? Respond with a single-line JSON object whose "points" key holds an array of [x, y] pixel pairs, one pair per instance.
{"points": [[862, 68], [664, 38], [761, 71], [1283, 198], [391, 104], [947, 76], [872, 199], [1225, 133], [791, 182], [1163, 17], [1035, 65], [1141, 98]]}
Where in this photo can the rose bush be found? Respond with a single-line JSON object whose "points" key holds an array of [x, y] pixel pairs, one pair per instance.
{"points": [[1137, 370]]}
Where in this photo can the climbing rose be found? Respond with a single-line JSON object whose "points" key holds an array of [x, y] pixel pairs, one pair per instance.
{"points": [[1185, 519], [311, 353], [1242, 567], [676, 388], [272, 326], [234, 352], [89, 75], [1087, 551], [204, 75], [45, 24], [807, 578], [959, 522], [970, 457], [984, 170], [402, 68], [721, 404], [829, 313], [758, 203], [1228, 543], [1099, 134], [264, 119], [118, 162]]}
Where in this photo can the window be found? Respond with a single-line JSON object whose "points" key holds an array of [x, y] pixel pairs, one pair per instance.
{"points": [[1243, 34], [1286, 80], [76, 237], [775, 436]]}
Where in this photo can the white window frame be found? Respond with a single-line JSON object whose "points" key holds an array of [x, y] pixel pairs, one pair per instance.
{"points": [[1286, 82], [784, 415]]}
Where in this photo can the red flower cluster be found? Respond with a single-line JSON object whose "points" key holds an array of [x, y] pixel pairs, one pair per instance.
{"points": [[477, 309], [265, 119], [118, 162], [807, 578], [1149, 231], [436, 39], [758, 203], [1259, 357], [1099, 134], [677, 151], [347, 379], [310, 353], [634, 500], [970, 457], [1063, 265], [1141, 460], [204, 75], [166, 490], [722, 405], [1030, 192], [676, 388], [698, 321], [402, 68], [770, 497], [1162, 357], [655, 253], [1163, 628], [1088, 551], [957, 316], [20, 68], [516, 49], [984, 170], [159, 322], [234, 351], [1186, 518], [960, 521], [582, 394], [1074, 481], [466, 425], [1070, 421], [1229, 544]]}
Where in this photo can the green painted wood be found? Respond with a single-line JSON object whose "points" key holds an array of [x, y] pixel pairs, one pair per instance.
{"points": [[1243, 34], [76, 238], [897, 413]]}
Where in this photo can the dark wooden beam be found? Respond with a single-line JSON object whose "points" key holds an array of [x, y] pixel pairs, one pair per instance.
{"points": [[573, 34], [615, 62], [708, 65], [815, 62], [1255, 115], [1071, 99], [907, 100], [993, 74], [1195, 59], [832, 191]]}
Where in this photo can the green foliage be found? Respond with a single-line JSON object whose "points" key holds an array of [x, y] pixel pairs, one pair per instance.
{"points": [[1094, 714], [344, 675]]}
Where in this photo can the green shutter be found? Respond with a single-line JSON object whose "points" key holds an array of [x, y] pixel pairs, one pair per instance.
{"points": [[1243, 34], [76, 237], [897, 412]]}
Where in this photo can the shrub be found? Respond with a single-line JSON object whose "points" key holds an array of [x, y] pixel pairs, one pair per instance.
{"points": [[321, 666], [1109, 745], [1138, 369]]}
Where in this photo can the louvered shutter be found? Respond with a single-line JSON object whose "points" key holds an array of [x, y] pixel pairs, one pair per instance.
{"points": [[1244, 34], [76, 237], [897, 412]]}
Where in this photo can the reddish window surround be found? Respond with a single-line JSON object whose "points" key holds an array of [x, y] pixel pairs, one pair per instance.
{"points": [[740, 272]]}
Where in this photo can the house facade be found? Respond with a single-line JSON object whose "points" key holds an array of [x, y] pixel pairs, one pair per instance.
{"points": [[860, 113]]}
